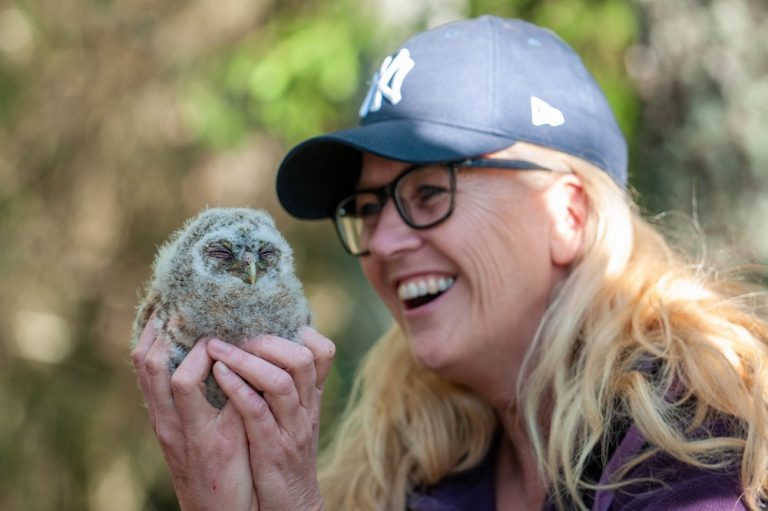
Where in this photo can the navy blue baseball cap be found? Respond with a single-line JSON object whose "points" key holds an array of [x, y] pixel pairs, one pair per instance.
{"points": [[459, 91]]}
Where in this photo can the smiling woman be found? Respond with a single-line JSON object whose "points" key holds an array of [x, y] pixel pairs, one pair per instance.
{"points": [[557, 367], [551, 351], [624, 376]]}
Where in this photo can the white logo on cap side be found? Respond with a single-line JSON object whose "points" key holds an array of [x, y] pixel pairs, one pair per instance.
{"points": [[543, 113], [388, 82]]}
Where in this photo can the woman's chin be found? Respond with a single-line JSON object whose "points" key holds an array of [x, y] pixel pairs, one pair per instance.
{"points": [[431, 353]]}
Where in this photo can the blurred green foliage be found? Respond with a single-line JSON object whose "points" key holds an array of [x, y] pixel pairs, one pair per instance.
{"points": [[120, 119], [296, 78]]}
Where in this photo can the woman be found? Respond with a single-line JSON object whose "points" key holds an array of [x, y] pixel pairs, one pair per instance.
{"points": [[550, 352]]}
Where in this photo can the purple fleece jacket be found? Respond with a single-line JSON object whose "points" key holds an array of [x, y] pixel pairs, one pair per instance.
{"points": [[684, 488]]}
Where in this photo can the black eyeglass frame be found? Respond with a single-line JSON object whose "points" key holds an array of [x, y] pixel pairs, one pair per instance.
{"points": [[388, 191]]}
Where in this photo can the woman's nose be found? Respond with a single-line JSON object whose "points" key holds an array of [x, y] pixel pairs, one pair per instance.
{"points": [[391, 234]]}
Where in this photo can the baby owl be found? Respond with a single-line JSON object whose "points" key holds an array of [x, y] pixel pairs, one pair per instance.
{"points": [[227, 273]]}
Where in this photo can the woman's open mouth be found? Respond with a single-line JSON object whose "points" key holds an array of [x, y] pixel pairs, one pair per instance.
{"points": [[423, 289]]}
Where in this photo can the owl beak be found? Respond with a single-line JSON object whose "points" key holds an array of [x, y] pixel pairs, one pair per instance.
{"points": [[252, 271], [248, 268]]}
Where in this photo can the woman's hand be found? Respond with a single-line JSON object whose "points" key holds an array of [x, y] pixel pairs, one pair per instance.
{"points": [[276, 386], [206, 449]]}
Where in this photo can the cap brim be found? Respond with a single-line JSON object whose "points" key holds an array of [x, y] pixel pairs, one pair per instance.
{"points": [[321, 171]]}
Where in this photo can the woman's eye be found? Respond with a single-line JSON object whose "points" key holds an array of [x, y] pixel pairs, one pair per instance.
{"points": [[219, 253], [368, 209], [426, 192]]}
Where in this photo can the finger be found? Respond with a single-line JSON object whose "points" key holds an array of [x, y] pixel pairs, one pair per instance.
{"points": [[138, 358], [229, 419], [323, 351], [292, 357], [158, 376], [188, 386], [277, 384], [261, 428], [147, 338], [246, 401]]}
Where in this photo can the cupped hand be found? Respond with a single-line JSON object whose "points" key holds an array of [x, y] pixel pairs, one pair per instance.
{"points": [[206, 449], [276, 386]]}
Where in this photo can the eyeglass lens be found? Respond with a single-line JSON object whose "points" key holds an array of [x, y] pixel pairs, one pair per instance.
{"points": [[423, 196]]}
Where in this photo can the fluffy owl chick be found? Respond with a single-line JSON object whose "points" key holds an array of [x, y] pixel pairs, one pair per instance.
{"points": [[227, 273]]}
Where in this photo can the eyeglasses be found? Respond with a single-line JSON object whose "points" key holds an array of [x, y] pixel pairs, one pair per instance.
{"points": [[424, 196]]}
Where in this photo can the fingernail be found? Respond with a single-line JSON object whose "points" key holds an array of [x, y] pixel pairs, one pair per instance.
{"points": [[217, 346], [221, 367]]}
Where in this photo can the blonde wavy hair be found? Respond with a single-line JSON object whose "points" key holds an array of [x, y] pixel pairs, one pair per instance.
{"points": [[634, 333]]}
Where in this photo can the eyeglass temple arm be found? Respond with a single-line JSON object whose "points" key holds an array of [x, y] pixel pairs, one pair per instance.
{"points": [[492, 163]]}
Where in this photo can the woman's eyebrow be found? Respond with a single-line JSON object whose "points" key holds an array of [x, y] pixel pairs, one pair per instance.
{"points": [[362, 185]]}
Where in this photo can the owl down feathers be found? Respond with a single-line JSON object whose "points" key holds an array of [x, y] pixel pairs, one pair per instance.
{"points": [[227, 273]]}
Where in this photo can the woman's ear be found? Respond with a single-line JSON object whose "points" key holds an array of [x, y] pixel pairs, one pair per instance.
{"points": [[568, 208]]}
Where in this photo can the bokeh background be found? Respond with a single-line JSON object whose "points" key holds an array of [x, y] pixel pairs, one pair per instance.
{"points": [[120, 119]]}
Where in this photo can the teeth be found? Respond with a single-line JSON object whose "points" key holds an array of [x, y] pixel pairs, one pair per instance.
{"points": [[423, 287]]}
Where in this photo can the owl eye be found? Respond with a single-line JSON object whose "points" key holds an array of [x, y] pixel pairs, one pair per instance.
{"points": [[219, 253], [268, 254]]}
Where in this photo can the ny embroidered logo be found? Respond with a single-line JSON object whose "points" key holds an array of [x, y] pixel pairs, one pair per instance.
{"points": [[543, 113], [387, 82]]}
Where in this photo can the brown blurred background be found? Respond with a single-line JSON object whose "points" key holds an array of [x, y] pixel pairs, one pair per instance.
{"points": [[120, 119]]}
